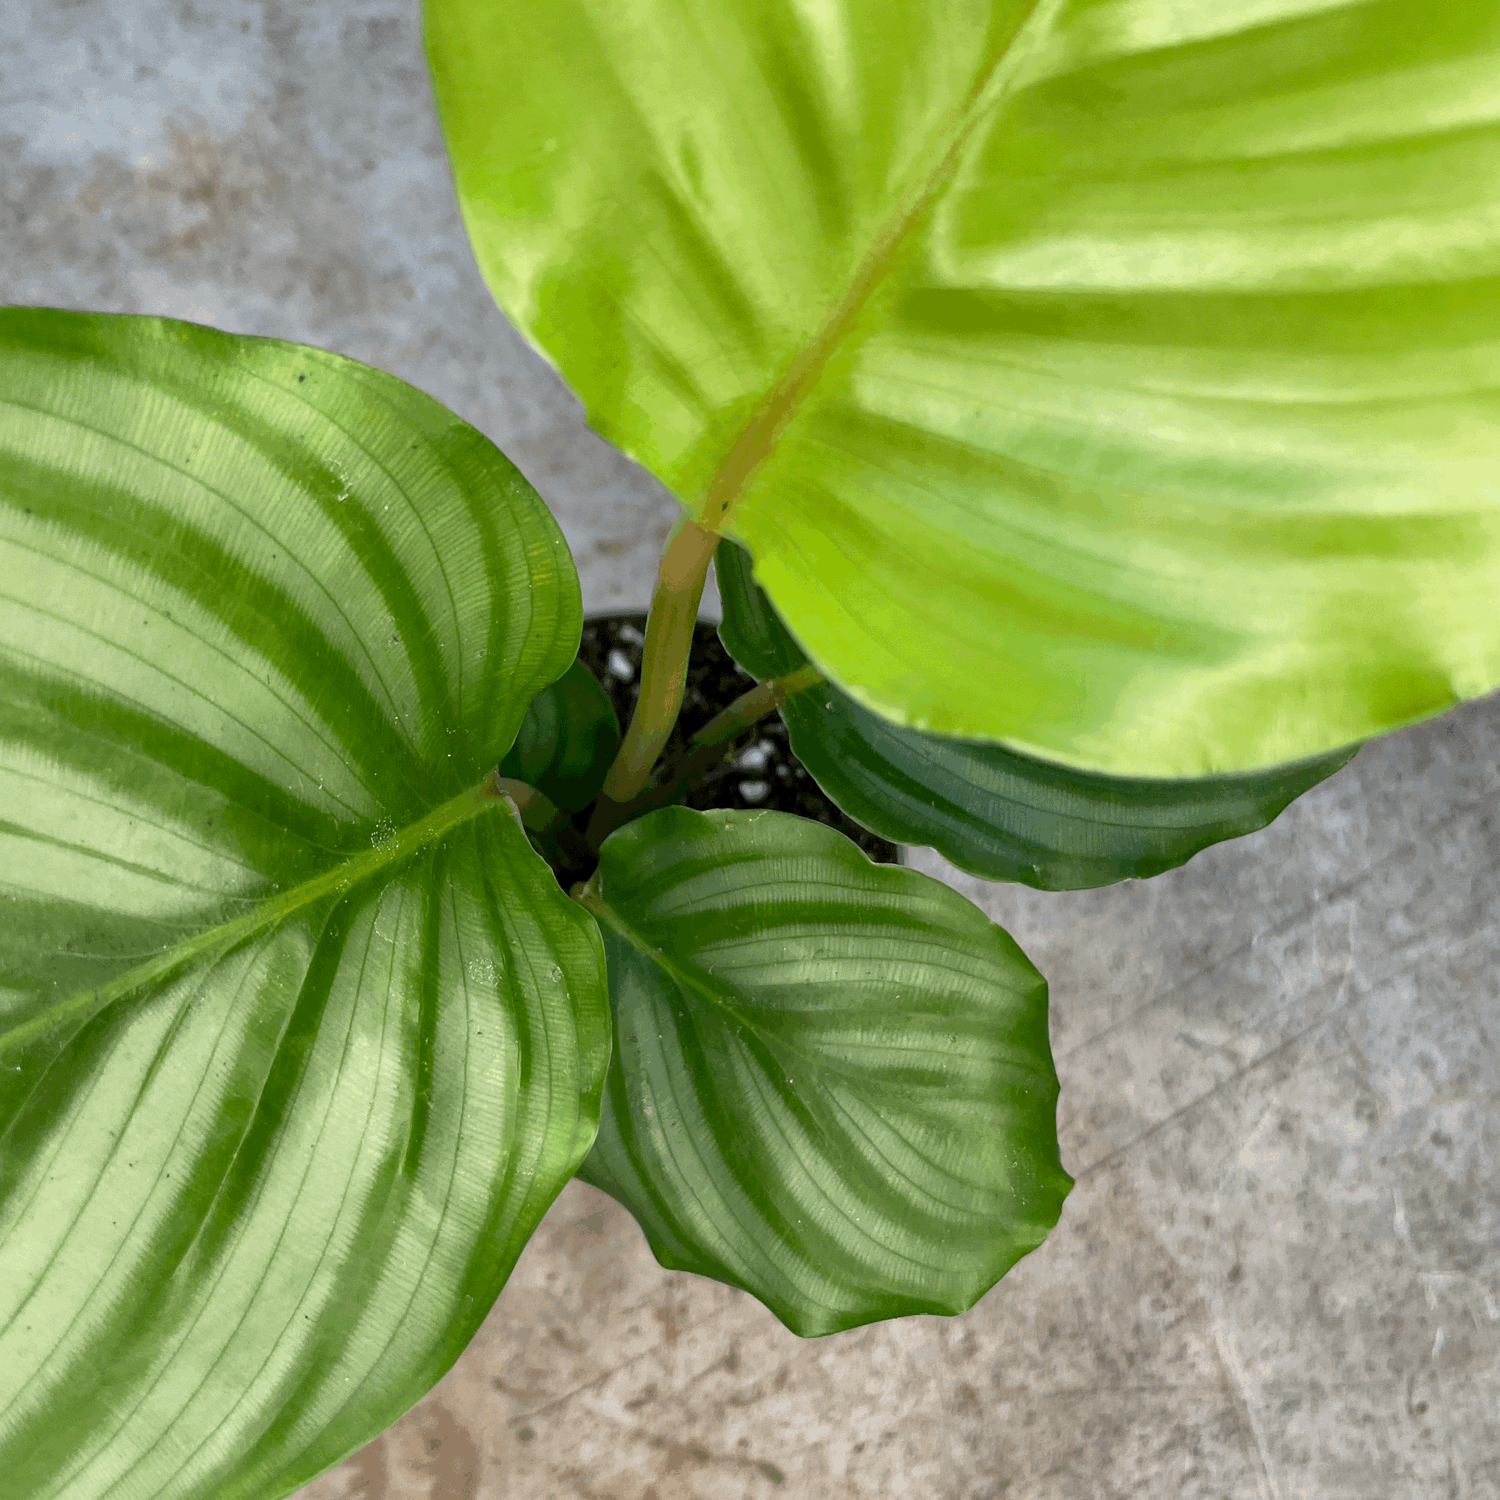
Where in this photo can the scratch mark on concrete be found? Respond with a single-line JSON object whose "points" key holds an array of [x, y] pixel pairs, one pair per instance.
{"points": [[1286, 1045], [1398, 1218], [1238, 1381]]}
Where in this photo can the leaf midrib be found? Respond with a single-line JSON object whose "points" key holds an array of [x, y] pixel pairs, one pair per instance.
{"points": [[759, 435], [716, 998], [82, 1005]]}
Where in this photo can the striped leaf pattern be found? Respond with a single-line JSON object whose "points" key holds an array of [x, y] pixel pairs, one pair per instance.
{"points": [[298, 1037], [1006, 816], [1115, 379], [993, 811], [831, 1083]]}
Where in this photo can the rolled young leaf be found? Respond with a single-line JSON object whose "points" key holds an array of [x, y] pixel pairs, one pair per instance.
{"points": [[567, 740], [298, 1038], [831, 1082], [1117, 380], [990, 810]]}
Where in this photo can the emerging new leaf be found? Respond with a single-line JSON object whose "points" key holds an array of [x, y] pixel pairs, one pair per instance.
{"points": [[567, 740]]}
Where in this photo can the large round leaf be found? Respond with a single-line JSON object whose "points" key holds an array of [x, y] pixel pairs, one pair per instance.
{"points": [[1114, 378], [298, 1038], [992, 811], [831, 1082]]}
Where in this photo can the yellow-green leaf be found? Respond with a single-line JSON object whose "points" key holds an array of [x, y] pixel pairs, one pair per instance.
{"points": [[1116, 379]]}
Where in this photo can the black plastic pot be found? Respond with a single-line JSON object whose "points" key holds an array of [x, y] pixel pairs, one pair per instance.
{"points": [[761, 771]]}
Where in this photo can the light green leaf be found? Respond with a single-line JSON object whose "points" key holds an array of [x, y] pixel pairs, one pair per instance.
{"points": [[992, 811], [1118, 379], [831, 1082], [567, 740], [298, 1038]]}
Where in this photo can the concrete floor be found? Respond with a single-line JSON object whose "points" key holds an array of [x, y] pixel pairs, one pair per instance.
{"points": [[1279, 1274]]}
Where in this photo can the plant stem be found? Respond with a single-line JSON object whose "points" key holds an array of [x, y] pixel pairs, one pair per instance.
{"points": [[536, 810], [711, 743], [669, 638]]}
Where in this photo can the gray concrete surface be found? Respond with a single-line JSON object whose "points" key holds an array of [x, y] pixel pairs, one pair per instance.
{"points": [[1279, 1274]]}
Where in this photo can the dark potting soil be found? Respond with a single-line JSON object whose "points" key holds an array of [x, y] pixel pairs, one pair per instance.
{"points": [[761, 771]]}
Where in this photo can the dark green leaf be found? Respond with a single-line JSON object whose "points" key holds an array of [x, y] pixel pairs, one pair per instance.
{"points": [[298, 1038], [992, 811], [1007, 816], [752, 632], [567, 740], [831, 1083]]}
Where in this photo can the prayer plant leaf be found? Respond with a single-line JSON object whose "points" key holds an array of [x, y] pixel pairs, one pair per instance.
{"points": [[751, 630], [298, 1037], [567, 740], [831, 1082], [1116, 379], [992, 811], [1006, 816]]}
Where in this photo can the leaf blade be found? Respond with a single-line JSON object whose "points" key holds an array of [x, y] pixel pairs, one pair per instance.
{"points": [[567, 740], [988, 809], [338, 1147], [752, 632], [1005, 816], [278, 611], [798, 1035], [1172, 421]]}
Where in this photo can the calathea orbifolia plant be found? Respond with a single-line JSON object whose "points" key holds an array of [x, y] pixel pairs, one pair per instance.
{"points": [[1103, 396]]}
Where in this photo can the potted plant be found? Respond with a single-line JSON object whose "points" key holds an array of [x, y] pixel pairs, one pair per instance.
{"points": [[1088, 413]]}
